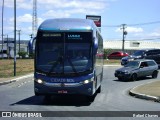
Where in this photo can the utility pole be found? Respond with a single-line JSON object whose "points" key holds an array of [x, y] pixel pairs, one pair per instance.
{"points": [[14, 37], [19, 40], [124, 33], [2, 26]]}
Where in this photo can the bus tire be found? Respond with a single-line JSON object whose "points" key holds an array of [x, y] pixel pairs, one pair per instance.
{"points": [[90, 98], [99, 89]]}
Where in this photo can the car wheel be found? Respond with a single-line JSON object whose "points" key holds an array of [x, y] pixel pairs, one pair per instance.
{"points": [[134, 77], [154, 74]]}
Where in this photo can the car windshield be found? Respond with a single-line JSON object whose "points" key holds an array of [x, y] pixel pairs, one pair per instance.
{"points": [[58, 55], [138, 53], [132, 64]]}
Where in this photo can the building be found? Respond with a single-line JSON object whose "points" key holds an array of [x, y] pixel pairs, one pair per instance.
{"points": [[129, 46], [8, 47]]}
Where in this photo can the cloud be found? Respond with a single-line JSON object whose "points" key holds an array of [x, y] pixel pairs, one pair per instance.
{"points": [[66, 8], [56, 14], [40, 20], [23, 4], [66, 13], [92, 4], [134, 29], [131, 29], [155, 33], [24, 18]]}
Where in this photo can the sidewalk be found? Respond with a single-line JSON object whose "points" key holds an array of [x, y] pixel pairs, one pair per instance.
{"points": [[149, 91], [14, 79]]}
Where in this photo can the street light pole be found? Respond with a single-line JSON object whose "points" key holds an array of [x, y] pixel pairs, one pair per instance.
{"points": [[2, 26], [14, 37], [7, 48]]}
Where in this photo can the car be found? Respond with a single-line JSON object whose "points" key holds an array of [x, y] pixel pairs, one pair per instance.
{"points": [[143, 54], [137, 68], [99, 55], [117, 55]]}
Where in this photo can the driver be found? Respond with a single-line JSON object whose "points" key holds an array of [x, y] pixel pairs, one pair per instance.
{"points": [[80, 56]]}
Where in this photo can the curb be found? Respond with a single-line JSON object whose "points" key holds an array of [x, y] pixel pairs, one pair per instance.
{"points": [[16, 79], [111, 65], [143, 96]]}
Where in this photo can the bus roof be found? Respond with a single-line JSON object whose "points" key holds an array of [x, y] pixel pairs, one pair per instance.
{"points": [[67, 24]]}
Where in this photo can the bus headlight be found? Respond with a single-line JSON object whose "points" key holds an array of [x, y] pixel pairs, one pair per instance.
{"points": [[39, 81], [88, 81]]}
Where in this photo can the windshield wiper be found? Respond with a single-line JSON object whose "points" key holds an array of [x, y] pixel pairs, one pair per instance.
{"points": [[59, 60], [74, 69]]}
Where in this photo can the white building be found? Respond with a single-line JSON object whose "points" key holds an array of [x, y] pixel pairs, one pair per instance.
{"points": [[10, 48], [131, 45]]}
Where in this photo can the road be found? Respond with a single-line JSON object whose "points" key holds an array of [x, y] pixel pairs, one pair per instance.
{"points": [[19, 96]]}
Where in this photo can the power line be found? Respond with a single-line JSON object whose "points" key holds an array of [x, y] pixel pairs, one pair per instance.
{"points": [[148, 23], [111, 26], [137, 24], [135, 39]]}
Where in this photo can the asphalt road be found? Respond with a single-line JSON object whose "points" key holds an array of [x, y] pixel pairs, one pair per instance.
{"points": [[19, 96]]}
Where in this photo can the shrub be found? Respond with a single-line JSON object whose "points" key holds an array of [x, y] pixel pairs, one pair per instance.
{"points": [[22, 54]]}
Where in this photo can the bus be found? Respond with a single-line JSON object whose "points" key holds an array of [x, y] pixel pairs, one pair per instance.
{"points": [[68, 58]]}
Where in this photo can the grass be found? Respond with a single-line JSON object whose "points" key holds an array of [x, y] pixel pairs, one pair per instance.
{"points": [[112, 61], [25, 66]]}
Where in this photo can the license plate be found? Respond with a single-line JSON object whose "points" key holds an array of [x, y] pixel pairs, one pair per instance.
{"points": [[62, 91]]}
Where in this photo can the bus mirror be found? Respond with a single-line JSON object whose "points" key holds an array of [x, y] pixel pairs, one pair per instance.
{"points": [[31, 46], [95, 45]]}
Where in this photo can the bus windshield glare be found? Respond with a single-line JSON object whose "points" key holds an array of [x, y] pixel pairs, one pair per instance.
{"points": [[64, 53]]}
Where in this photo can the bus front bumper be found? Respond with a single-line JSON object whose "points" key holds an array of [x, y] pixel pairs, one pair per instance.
{"points": [[64, 88]]}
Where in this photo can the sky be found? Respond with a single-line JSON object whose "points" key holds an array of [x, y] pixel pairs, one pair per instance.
{"points": [[141, 17]]}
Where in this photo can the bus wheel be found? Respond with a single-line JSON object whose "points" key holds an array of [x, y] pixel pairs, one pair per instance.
{"points": [[99, 89], [90, 98]]}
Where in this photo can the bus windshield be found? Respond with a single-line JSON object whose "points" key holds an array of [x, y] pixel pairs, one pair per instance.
{"points": [[64, 53]]}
